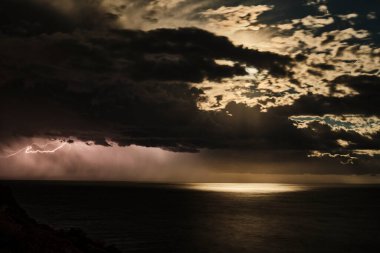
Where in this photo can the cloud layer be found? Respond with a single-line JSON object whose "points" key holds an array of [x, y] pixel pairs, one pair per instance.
{"points": [[303, 85]]}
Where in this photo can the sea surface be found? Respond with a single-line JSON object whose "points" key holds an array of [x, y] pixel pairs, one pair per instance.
{"points": [[225, 218]]}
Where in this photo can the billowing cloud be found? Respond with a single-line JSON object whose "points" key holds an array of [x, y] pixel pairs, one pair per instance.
{"points": [[195, 76]]}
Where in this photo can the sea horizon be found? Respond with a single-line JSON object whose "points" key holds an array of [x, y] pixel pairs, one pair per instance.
{"points": [[209, 217]]}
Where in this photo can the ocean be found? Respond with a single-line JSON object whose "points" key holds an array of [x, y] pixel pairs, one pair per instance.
{"points": [[225, 218]]}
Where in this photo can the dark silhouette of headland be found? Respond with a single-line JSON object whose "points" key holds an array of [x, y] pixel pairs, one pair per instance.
{"points": [[20, 233]]}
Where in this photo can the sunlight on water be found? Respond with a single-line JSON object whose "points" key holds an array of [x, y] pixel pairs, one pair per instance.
{"points": [[245, 187]]}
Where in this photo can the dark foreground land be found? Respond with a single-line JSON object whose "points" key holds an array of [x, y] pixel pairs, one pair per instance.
{"points": [[19, 233]]}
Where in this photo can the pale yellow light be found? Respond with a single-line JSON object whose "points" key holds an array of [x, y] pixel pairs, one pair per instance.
{"points": [[244, 187]]}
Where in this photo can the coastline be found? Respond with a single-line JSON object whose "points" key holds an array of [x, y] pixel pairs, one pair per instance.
{"points": [[21, 233]]}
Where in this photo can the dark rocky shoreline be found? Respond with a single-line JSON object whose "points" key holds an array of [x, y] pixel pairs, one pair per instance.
{"points": [[20, 233]]}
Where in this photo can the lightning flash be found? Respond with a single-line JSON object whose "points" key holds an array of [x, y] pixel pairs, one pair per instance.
{"points": [[35, 149]]}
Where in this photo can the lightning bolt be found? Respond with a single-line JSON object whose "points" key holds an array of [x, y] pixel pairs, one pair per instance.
{"points": [[15, 153], [29, 149]]}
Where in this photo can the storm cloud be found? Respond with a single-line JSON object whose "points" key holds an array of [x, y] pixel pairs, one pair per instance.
{"points": [[77, 72]]}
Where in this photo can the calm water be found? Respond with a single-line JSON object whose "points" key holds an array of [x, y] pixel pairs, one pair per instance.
{"points": [[211, 217]]}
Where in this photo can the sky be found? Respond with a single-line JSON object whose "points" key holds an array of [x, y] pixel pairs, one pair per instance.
{"points": [[190, 90]]}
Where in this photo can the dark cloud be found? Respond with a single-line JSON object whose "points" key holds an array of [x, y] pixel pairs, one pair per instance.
{"points": [[364, 102], [80, 76], [128, 86], [34, 17], [23, 18]]}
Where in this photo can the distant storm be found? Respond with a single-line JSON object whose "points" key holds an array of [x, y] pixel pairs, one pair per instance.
{"points": [[190, 90]]}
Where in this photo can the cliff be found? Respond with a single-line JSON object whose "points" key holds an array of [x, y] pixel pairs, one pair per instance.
{"points": [[19, 233]]}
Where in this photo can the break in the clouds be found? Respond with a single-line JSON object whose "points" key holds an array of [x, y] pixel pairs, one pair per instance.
{"points": [[286, 86]]}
